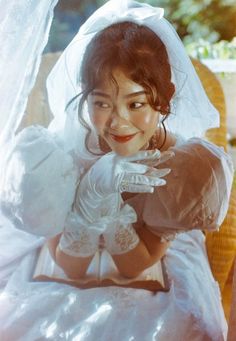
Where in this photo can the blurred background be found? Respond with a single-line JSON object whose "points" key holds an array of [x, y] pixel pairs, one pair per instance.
{"points": [[195, 20]]}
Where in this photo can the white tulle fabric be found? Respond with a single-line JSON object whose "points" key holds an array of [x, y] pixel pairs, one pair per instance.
{"points": [[197, 190], [24, 29], [39, 183], [189, 103], [191, 310]]}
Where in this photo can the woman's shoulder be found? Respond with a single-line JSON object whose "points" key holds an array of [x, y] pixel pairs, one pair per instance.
{"points": [[197, 146], [35, 146], [197, 188], [39, 183]]}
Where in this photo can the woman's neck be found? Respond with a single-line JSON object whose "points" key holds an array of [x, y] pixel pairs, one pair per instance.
{"points": [[161, 140]]}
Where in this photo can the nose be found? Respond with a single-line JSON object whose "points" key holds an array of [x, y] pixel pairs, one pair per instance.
{"points": [[119, 118], [118, 123]]}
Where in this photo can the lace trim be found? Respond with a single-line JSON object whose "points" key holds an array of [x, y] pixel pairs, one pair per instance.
{"points": [[125, 238], [79, 244], [122, 240]]}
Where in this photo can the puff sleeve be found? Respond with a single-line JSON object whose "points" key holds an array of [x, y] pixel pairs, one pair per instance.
{"points": [[39, 183], [197, 192]]}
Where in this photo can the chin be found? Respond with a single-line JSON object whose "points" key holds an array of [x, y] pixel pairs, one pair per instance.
{"points": [[124, 152]]}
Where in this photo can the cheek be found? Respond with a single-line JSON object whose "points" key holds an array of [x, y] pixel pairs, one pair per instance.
{"points": [[98, 121], [146, 120]]}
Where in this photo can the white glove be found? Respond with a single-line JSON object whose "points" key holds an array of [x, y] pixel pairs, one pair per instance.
{"points": [[79, 239], [98, 201], [99, 190], [120, 237]]}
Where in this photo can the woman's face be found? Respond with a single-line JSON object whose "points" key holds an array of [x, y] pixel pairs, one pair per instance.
{"points": [[122, 115]]}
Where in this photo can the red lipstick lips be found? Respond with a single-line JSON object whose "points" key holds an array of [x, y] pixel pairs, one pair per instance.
{"points": [[122, 138]]}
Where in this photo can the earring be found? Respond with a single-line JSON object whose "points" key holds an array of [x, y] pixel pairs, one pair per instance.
{"points": [[103, 145], [153, 142]]}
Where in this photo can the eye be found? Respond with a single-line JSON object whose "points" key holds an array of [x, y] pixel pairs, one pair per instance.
{"points": [[101, 105], [137, 105]]}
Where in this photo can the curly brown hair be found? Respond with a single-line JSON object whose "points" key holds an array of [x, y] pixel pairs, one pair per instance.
{"points": [[139, 53]]}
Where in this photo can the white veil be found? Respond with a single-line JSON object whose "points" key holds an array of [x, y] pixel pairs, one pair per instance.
{"points": [[191, 112], [24, 30]]}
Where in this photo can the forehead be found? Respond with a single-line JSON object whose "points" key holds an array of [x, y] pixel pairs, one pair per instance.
{"points": [[117, 81]]}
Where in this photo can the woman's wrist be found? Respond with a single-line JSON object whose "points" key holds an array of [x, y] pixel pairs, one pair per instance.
{"points": [[121, 239]]}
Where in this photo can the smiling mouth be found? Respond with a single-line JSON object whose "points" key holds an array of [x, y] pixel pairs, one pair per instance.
{"points": [[122, 138]]}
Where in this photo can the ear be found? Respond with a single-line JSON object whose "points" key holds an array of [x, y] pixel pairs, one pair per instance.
{"points": [[169, 93]]}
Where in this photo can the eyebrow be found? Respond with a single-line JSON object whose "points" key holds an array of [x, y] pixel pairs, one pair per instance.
{"points": [[133, 94]]}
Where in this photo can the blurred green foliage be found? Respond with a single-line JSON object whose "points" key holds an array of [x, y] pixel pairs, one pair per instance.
{"points": [[203, 49], [212, 20]]}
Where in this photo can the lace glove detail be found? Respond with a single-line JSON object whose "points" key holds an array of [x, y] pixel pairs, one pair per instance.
{"points": [[120, 236], [82, 239], [79, 238]]}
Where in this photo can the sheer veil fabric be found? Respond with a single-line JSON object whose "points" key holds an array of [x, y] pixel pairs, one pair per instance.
{"points": [[24, 31]]}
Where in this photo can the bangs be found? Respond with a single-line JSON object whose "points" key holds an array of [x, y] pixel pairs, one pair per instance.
{"points": [[138, 53]]}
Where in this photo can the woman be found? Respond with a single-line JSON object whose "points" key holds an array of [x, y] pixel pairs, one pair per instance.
{"points": [[126, 75]]}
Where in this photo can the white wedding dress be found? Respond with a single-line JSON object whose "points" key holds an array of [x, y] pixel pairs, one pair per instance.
{"points": [[191, 310], [31, 311]]}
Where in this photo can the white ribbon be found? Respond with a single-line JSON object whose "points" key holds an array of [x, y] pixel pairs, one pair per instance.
{"points": [[125, 216]]}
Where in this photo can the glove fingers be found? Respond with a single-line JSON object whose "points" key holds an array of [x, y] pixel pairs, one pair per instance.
{"points": [[143, 155], [152, 162], [152, 175], [153, 172], [140, 183], [139, 168], [165, 156], [146, 180], [135, 188]]}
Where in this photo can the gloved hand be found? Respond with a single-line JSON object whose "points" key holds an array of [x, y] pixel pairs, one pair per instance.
{"points": [[79, 238], [120, 236], [99, 190], [97, 208]]}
